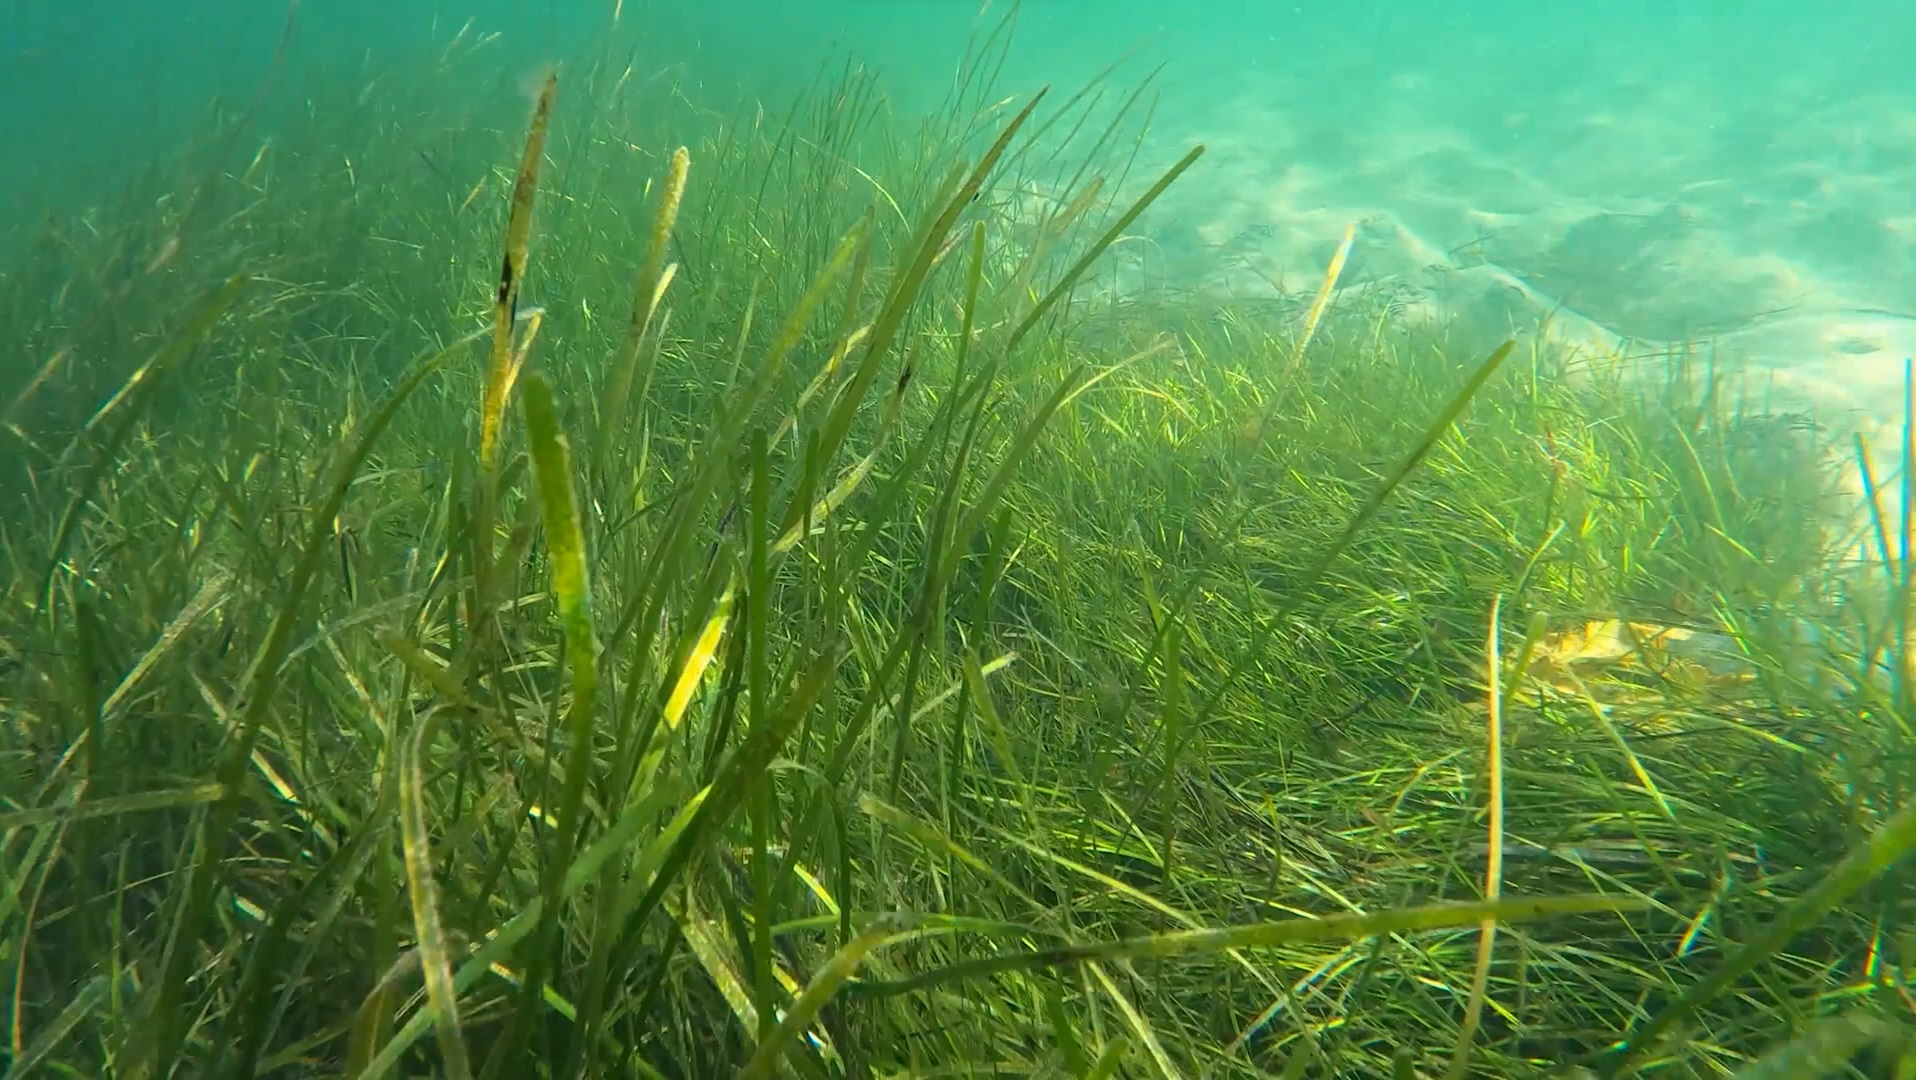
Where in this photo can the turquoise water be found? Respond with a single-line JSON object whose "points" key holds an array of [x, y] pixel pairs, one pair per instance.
{"points": [[92, 70]]}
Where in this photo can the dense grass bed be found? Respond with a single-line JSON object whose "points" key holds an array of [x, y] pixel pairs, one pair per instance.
{"points": [[505, 605]]}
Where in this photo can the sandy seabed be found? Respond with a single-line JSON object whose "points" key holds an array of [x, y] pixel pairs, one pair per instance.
{"points": [[1777, 231], [1786, 239]]}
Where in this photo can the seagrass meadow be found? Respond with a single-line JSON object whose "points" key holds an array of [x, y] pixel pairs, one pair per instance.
{"points": [[616, 587]]}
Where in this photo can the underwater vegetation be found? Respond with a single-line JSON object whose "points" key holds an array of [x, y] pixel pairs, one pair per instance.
{"points": [[657, 593]]}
